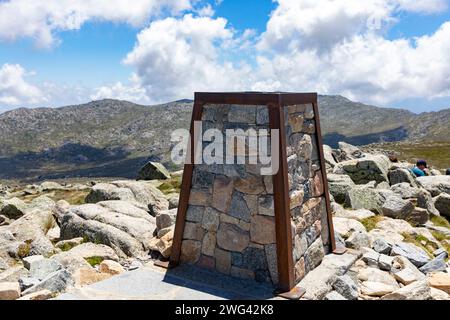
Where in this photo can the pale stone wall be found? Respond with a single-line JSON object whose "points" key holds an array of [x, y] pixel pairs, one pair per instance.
{"points": [[230, 223], [308, 206]]}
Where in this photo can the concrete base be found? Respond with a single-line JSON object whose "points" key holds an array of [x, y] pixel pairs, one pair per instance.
{"points": [[181, 283]]}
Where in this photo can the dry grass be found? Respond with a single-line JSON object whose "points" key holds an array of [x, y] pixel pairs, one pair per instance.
{"points": [[74, 197], [371, 222], [172, 185]]}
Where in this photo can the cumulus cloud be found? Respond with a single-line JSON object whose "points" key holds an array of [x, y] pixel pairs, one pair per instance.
{"points": [[320, 24], [339, 47], [328, 46], [41, 19], [14, 89], [133, 92], [175, 57]]}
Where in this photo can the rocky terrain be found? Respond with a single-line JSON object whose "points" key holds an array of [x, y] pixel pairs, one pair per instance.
{"points": [[115, 138], [56, 236]]}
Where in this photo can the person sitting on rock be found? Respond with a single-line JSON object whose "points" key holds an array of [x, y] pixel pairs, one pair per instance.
{"points": [[420, 170]]}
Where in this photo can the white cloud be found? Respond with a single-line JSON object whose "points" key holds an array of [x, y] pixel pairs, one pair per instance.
{"points": [[320, 24], [206, 11], [41, 19], [340, 47], [175, 57], [328, 46], [14, 89], [133, 92]]}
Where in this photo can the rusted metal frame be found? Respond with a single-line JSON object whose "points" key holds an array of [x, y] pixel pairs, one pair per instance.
{"points": [[285, 261], [185, 188], [323, 169], [297, 98], [255, 98]]}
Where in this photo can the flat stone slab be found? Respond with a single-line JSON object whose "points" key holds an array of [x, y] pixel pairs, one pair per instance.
{"points": [[318, 282], [181, 283]]}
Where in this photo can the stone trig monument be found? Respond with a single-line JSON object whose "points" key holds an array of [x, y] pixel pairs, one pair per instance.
{"points": [[240, 221]]}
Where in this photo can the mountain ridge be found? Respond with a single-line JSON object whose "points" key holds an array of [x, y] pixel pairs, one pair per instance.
{"points": [[99, 135]]}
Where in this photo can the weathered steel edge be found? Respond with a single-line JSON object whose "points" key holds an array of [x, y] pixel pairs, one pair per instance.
{"points": [[253, 98], [185, 189], [283, 232], [323, 170]]}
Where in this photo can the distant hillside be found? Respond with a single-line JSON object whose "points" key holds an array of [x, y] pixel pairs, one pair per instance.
{"points": [[114, 138]]}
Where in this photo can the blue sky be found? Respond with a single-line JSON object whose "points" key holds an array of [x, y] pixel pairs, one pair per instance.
{"points": [[90, 60]]}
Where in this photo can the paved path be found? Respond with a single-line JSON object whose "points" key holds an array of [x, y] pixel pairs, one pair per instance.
{"points": [[181, 283]]}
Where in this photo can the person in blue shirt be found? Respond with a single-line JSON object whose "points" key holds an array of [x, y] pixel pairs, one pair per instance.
{"points": [[420, 170], [447, 173]]}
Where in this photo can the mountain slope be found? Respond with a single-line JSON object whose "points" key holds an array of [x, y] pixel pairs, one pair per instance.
{"points": [[113, 138]]}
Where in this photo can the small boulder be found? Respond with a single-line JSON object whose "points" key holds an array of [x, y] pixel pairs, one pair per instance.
{"points": [[50, 185], [9, 290], [330, 162], [418, 216], [441, 252], [404, 271], [413, 253], [28, 261], [363, 197], [442, 204], [395, 225], [174, 200], [437, 264], [344, 226], [38, 296], [346, 287], [41, 268], [370, 257], [358, 240], [339, 185], [401, 175], [333, 295], [425, 201], [440, 280], [376, 275], [350, 151], [153, 171], [376, 289], [385, 262], [13, 208], [166, 219], [437, 294], [27, 282], [91, 250], [66, 245], [435, 184], [366, 169], [55, 282], [381, 246], [54, 234], [397, 208], [111, 267], [419, 290], [87, 276], [405, 191]]}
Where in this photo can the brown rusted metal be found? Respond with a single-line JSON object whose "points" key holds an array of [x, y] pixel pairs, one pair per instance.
{"points": [[323, 169], [164, 264], [185, 188], [282, 206], [256, 98], [340, 250], [295, 294]]}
